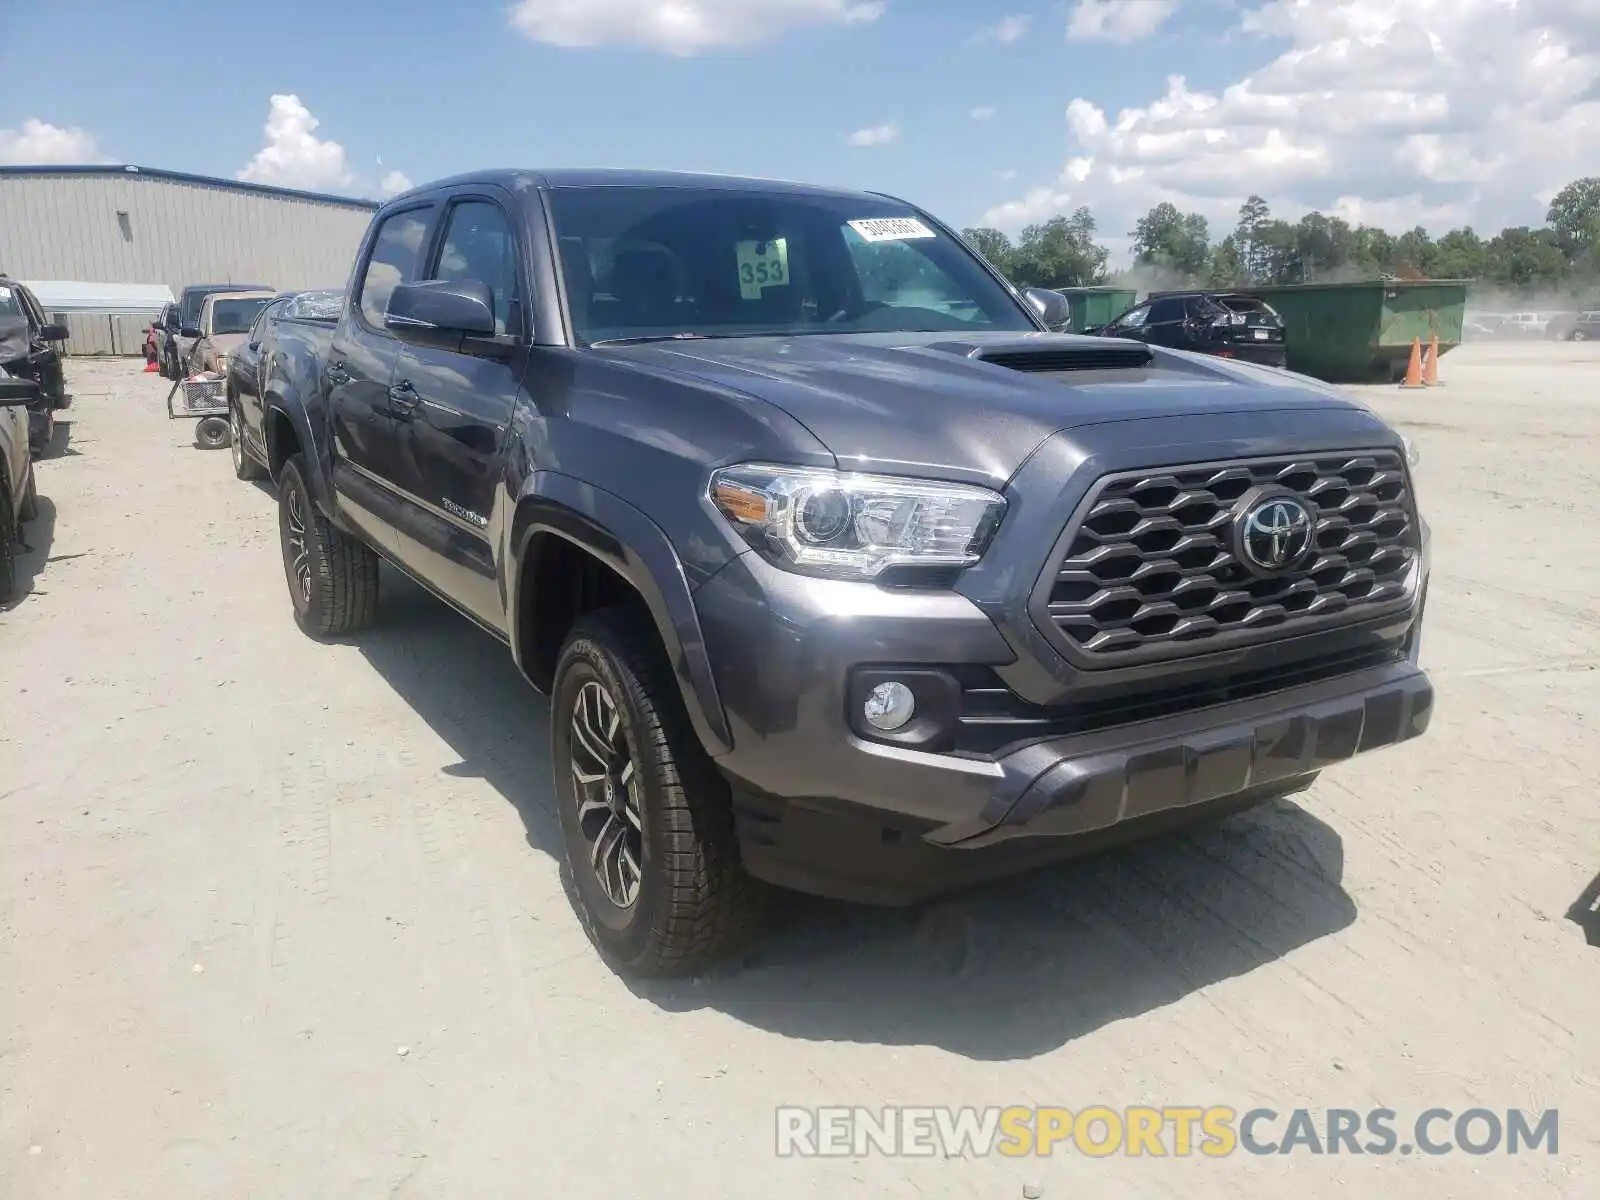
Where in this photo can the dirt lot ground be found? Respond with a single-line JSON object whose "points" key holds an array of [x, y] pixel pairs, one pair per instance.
{"points": [[280, 919]]}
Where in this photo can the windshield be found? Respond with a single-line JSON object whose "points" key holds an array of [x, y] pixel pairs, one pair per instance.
{"points": [[236, 316], [651, 262], [10, 303]]}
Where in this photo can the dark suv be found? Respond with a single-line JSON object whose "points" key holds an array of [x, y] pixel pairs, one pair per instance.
{"points": [[30, 348], [1220, 323], [841, 572]]}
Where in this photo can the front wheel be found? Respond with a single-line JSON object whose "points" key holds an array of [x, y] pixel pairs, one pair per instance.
{"points": [[333, 578], [244, 466], [646, 820]]}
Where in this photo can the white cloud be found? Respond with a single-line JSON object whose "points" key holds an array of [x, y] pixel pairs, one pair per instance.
{"points": [[394, 183], [1118, 20], [876, 135], [984, 112], [39, 142], [294, 156], [1005, 176], [1435, 111], [681, 26], [1008, 31]]}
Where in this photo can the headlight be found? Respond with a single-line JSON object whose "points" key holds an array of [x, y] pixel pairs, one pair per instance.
{"points": [[847, 526], [1413, 454]]}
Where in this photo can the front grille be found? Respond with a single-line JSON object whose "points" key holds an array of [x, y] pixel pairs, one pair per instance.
{"points": [[1151, 570], [995, 721]]}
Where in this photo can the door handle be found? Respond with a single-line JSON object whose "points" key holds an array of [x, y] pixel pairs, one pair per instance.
{"points": [[336, 374], [403, 398]]}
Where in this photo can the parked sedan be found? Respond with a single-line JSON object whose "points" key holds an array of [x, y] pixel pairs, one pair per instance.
{"points": [[1220, 323], [18, 494]]}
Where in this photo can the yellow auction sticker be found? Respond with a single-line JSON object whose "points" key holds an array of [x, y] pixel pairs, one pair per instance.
{"points": [[762, 265]]}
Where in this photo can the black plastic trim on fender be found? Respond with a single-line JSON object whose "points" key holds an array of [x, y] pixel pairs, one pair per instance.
{"points": [[320, 468], [630, 543]]}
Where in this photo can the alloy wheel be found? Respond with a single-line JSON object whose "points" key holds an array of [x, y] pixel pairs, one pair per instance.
{"points": [[300, 557], [235, 441], [607, 787]]}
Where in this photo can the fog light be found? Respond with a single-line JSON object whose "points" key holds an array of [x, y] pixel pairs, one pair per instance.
{"points": [[889, 706]]}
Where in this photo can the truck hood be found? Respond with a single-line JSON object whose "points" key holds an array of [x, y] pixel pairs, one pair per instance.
{"points": [[930, 403]]}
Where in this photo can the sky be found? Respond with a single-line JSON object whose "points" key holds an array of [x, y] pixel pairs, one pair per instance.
{"points": [[985, 112]]}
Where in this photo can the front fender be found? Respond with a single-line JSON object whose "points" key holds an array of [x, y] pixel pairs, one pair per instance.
{"points": [[630, 543]]}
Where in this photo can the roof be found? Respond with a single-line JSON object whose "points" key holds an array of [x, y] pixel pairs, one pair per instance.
{"points": [[64, 296], [236, 185], [516, 179]]}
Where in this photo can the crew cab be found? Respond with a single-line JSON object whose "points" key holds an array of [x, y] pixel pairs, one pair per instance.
{"points": [[841, 572]]}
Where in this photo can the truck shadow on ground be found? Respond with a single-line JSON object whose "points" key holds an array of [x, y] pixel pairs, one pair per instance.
{"points": [[1010, 970], [33, 553]]}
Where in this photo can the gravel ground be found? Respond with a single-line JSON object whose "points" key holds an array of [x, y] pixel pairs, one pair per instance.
{"points": [[280, 919]]}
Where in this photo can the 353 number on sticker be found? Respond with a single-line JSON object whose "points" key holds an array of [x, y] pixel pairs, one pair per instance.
{"points": [[762, 265]]}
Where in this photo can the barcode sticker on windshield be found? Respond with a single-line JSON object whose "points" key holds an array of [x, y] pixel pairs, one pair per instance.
{"points": [[891, 229]]}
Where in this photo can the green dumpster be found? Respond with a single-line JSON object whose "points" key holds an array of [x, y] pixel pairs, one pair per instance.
{"points": [[1091, 306], [1361, 332]]}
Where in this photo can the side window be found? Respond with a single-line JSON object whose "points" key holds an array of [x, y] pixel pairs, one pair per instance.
{"points": [[1163, 312], [393, 261], [478, 244], [899, 274], [269, 313]]}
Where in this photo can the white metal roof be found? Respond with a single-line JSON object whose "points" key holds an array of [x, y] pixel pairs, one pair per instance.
{"points": [[64, 296]]}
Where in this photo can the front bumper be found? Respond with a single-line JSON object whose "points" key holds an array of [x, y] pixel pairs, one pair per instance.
{"points": [[820, 808]]}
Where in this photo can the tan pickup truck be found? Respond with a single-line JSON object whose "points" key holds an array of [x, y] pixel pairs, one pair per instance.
{"points": [[225, 320]]}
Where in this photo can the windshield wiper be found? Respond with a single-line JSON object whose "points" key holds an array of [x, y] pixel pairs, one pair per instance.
{"points": [[651, 337]]}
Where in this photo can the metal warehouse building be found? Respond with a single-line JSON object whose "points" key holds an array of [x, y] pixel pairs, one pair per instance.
{"points": [[135, 225]]}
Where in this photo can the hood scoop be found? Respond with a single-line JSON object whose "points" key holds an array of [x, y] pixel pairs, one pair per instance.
{"points": [[1056, 359]]}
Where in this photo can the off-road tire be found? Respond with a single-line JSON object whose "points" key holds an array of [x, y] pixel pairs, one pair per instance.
{"points": [[244, 466], [696, 904], [343, 582], [28, 509]]}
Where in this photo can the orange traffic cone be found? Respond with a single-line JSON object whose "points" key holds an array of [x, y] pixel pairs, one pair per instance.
{"points": [[1430, 372], [150, 368], [1413, 377]]}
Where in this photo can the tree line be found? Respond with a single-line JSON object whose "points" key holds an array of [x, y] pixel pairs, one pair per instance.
{"points": [[1563, 256]]}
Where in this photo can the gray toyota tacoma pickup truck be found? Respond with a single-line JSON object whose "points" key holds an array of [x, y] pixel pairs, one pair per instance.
{"points": [[841, 571]]}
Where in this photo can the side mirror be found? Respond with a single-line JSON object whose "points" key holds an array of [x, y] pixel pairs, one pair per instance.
{"points": [[55, 333], [441, 313], [1051, 306], [189, 331], [16, 392]]}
